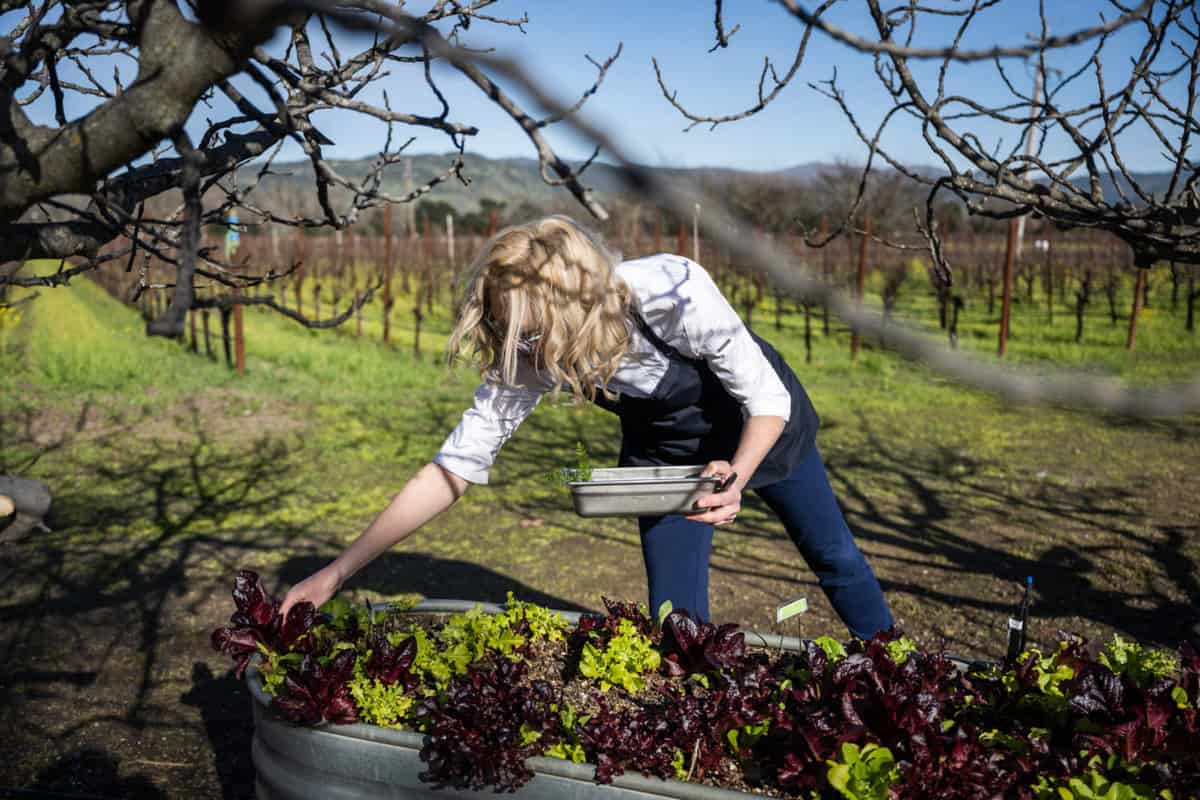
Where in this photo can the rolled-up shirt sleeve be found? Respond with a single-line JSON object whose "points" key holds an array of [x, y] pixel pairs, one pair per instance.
{"points": [[713, 331], [471, 448]]}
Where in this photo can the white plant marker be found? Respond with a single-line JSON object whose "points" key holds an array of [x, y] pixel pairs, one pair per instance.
{"points": [[789, 610], [793, 608]]}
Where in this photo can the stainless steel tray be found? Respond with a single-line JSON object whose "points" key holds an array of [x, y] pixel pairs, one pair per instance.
{"points": [[640, 491]]}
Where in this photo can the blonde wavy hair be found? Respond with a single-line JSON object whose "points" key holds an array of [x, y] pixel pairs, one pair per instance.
{"points": [[553, 279]]}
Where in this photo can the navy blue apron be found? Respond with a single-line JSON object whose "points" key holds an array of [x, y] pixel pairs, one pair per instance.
{"points": [[691, 419]]}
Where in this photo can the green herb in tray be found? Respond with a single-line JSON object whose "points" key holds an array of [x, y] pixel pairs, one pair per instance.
{"points": [[582, 471]]}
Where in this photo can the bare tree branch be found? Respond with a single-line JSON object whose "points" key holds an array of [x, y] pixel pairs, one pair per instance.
{"points": [[1009, 383], [954, 53], [180, 62], [764, 100], [229, 301], [722, 37]]}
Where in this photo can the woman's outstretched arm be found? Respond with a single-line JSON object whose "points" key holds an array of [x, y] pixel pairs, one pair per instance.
{"points": [[428, 493]]}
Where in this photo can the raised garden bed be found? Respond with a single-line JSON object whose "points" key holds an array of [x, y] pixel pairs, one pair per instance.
{"points": [[517, 698]]}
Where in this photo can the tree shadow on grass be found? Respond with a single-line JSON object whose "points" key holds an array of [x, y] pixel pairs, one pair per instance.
{"points": [[224, 707], [941, 508], [91, 773], [436, 578], [105, 615], [145, 538], [1179, 429], [928, 509]]}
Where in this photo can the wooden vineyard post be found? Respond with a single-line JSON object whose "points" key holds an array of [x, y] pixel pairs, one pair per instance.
{"points": [[316, 293], [405, 264], [358, 311], [658, 231], [1064, 279], [1192, 293], [431, 286], [696, 234], [1082, 298], [317, 277], [747, 305], [1050, 281], [450, 254], [387, 273], [239, 339], [417, 316], [943, 295], [225, 338], [808, 333], [298, 275], [957, 306], [1006, 297], [825, 271], [426, 283], [416, 312], [635, 229], [860, 285], [681, 248], [192, 325], [1139, 289], [410, 209], [339, 274], [208, 351]]}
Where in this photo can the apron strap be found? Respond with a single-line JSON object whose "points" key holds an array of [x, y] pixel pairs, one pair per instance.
{"points": [[657, 341]]}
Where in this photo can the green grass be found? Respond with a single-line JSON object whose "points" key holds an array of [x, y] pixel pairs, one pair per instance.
{"points": [[79, 340], [298, 455], [1164, 350]]}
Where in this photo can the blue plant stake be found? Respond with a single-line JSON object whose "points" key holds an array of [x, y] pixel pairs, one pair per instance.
{"points": [[232, 236]]}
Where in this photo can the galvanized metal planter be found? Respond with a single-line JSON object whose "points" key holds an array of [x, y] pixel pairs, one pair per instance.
{"points": [[367, 762]]}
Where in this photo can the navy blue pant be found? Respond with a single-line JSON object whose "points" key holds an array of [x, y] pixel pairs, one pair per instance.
{"points": [[677, 551]]}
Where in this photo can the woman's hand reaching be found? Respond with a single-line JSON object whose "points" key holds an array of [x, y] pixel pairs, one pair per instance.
{"points": [[720, 508], [427, 494], [316, 589]]}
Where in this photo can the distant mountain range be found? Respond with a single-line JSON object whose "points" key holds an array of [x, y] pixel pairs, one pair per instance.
{"points": [[510, 180], [513, 180]]}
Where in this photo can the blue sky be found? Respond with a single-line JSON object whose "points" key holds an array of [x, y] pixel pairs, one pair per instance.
{"points": [[801, 125]]}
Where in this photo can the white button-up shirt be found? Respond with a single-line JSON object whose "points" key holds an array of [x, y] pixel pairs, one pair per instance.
{"points": [[681, 304]]}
